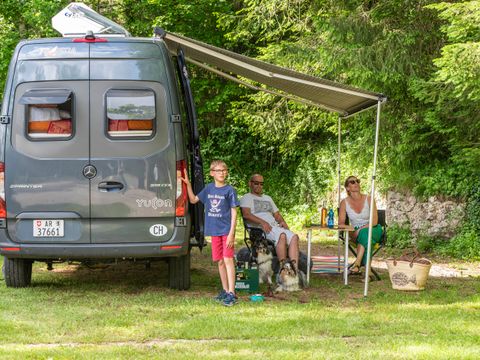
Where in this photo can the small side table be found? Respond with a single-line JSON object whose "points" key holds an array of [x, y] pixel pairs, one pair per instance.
{"points": [[345, 228]]}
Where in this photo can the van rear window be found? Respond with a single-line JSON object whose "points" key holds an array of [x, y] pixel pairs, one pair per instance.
{"points": [[47, 120], [130, 113]]}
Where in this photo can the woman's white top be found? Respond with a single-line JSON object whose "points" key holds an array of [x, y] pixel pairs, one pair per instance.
{"points": [[357, 220]]}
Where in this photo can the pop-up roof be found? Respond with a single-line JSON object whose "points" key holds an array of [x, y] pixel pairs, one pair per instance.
{"points": [[77, 19]]}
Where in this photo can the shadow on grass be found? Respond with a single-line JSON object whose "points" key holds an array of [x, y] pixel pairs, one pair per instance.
{"points": [[132, 278], [121, 277]]}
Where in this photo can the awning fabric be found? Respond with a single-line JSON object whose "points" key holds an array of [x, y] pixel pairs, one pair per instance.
{"points": [[332, 96], [45, 96]]}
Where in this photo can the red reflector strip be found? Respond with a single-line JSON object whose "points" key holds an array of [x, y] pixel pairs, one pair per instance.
{"points": [[171, 247], [10, 248], [80, 40], [181, 201], [3, 207]]}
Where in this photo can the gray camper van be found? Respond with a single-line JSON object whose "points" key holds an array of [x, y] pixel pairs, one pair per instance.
{"points": [[93, 141]]}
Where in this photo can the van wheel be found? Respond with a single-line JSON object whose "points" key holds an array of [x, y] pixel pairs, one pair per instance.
{"points": [[17, 272], [179, 272]]}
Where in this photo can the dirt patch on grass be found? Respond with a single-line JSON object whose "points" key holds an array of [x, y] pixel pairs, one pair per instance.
{"points": [[139, 277]]}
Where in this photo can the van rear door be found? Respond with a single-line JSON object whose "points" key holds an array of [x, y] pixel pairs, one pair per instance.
{"points": [[196, 163], [47, 194], [133, 153]]}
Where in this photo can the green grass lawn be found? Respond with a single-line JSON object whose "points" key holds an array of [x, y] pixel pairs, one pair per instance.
{"points": [[126, 311]]}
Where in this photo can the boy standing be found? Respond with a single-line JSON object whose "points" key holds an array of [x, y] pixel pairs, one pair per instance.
{"points": [[220, 200]]}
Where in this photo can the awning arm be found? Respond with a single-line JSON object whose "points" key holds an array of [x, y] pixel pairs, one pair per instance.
{"points": [[339, 250], [372, 194]]}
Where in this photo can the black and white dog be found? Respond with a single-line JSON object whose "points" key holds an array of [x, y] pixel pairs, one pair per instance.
{"points": [[264, 261], [289, 278]]}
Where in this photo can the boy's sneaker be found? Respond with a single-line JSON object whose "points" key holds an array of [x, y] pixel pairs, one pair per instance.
{"points": [[229, 299], [221, 296]]}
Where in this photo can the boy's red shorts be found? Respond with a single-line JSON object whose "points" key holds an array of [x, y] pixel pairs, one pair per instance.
{"points": [[220, 249]]}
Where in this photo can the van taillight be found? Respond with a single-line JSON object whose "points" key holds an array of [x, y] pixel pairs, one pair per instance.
{"points": [[3, 207], [181, 202]]}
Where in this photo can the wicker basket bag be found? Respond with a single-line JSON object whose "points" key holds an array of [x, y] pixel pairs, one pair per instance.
{"points": [[409, 272]]}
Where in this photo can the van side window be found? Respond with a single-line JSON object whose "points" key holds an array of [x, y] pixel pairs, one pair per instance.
{"points": [[130, 113], [50, 121]]}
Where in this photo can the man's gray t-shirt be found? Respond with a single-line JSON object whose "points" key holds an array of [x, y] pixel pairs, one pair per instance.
{"points": [[260, 206]]}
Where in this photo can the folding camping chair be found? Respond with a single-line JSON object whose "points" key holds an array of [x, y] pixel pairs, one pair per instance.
{"points": [[376, 248], [252, 236]]}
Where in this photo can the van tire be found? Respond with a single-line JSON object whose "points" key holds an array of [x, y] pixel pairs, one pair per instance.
{"points": [[17, 272], [179, 272]]}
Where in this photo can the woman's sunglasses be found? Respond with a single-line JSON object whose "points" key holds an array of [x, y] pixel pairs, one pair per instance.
{"points": [[354, 181]]}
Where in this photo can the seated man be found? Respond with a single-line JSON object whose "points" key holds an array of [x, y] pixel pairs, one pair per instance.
{"points": [[260, 210]]}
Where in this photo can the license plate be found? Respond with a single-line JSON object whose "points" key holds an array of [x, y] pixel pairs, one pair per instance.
{"points": [[48, 228]]}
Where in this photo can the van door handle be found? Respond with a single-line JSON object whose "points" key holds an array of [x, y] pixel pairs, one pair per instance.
{"points": [[110, 186]]}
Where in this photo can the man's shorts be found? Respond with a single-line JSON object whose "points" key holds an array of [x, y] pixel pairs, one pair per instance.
{"points": [[220, 249], [275, 233]]}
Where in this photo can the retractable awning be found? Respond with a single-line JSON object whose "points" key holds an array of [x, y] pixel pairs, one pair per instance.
{"points": [[332, 96]]}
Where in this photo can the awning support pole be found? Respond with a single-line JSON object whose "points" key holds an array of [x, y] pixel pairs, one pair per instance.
{"points": [[372, 195], [339, 185]]}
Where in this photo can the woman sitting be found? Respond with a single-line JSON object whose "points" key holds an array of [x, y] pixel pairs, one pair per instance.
{"points": [[357, 206]]}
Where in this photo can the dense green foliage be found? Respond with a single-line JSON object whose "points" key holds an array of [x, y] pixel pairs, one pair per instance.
{"points": [[423, 54]]}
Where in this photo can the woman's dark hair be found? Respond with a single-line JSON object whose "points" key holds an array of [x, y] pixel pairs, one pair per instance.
{"points": [[345, 184]]}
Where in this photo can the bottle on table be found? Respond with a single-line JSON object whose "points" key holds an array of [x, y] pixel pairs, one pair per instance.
{"points": [[331, 218], [323, 216]]}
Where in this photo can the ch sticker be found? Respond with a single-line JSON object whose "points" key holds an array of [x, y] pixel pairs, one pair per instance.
{"points": [[158, 230]]}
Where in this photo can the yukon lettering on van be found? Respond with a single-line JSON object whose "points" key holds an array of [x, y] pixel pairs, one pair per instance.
{"points": [[155, 203]]}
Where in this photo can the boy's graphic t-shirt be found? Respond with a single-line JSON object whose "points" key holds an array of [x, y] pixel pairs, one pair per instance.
{"points": [[218, 202]]}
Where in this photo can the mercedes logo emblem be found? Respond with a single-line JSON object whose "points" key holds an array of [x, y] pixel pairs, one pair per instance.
{"points": [[89, 171]]}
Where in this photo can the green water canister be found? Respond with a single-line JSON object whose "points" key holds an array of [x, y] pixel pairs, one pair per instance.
{"points": [[246, 279]]}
